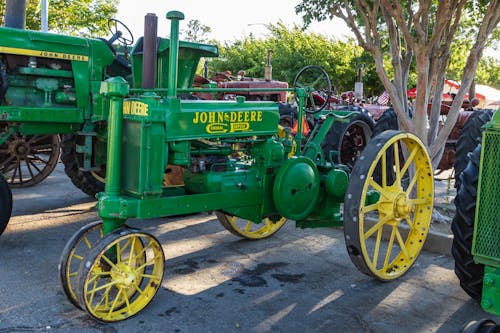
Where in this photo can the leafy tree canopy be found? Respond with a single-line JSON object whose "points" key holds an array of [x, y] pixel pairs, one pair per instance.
{"points": [[71, 17]]}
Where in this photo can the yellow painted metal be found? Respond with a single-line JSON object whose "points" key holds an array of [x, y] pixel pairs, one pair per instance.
{"points": [[44, 54], [403, 211], [76, 248], [123, 277], [248, 229]]}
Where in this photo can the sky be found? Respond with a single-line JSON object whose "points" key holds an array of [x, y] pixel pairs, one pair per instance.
{"points": [[229, 20]]}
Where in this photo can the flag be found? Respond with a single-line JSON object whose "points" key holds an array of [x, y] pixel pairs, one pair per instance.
{"points": [[384, 98]]}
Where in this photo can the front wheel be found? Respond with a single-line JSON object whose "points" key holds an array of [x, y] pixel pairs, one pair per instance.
{"points": [[5, 204], [121, 275], [399, 210]]}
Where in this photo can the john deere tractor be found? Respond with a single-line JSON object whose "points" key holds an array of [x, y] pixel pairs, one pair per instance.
{"points": [[476, 226], [239, 162]]}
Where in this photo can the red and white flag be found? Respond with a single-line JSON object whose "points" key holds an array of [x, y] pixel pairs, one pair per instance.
{"points": [[384, 98]]}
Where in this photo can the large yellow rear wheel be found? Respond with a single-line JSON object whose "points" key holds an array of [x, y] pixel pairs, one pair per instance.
{"points": [[388, 205], [121, 275], [248, 229]]}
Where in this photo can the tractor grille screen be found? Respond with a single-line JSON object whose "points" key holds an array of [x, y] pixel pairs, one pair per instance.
{"points": [[487, 238]]}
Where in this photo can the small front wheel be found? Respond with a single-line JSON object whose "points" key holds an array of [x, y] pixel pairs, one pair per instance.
{"points": [[397, 207], [121, 275]]}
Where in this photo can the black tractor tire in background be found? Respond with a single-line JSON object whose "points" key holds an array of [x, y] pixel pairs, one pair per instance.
{"points": [[469, 137], [349, 138], [86, 181], [5, 204], [468, 272], [387, 121]]}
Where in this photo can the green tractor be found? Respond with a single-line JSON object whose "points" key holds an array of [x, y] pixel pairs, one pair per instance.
{"points": [[476, 225], [238, 161]]}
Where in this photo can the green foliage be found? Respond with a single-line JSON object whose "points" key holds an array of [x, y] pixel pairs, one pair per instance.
{"points": [[196, 32], [292, 49], [71, 17]]}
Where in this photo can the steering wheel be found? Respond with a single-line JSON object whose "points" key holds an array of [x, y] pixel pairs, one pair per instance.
{"points": [[115, 27], [316, 79]]}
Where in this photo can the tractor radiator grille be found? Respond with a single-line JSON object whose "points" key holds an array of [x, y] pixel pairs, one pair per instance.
{"points": [[487, 230]]}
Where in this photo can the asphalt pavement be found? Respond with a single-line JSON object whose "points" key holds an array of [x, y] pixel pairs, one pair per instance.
{"points": [[296, 281]]}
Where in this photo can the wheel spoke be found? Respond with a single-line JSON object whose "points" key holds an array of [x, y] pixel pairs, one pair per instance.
{"points": [[111, 263], [396, 162], [389, 247], [419, 201], [402, 244], [384, 169], [115, 302], [369, 208], [130, 257], [248, 226], [410, 159], [29, 168], [412, 184], [377, 226], [376, 250], [104, 286], [35, 166], [382, 190]]}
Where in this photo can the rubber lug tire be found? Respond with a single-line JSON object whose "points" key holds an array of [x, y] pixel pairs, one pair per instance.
{"points": [[468, 272], [84, 180], [469, 137], [335, 139]]}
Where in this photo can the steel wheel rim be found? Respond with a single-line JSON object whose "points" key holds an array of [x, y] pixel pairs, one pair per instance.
{"points": [[400, 206], [73, 254], [114, 289], [354, 140], [26, 160], [250, 230]]}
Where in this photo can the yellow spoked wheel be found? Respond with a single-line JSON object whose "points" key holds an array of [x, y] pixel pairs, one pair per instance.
{"points": [[388, 205], [121, 275], [76, 248], [248, 229]]}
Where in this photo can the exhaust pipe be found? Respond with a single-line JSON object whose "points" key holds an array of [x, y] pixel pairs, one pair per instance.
{"points": [[149, 51], [15, 14]]}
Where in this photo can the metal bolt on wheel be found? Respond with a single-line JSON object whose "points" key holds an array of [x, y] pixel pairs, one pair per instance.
{"points": [[121, 275], [397, 206], [248, 229]]}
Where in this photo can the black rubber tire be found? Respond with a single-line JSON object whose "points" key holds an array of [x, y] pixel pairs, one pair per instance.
{"points": [[349, 138], [84, 180], [468, 272], [481, 326], [5, 204], [469, 137], [387, 121]]}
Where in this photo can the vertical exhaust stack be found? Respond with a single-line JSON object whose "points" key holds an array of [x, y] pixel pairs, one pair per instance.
{"points": [[15, 14], [268, 70], [149, 51]]}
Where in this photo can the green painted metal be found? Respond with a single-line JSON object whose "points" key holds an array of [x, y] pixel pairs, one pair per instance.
{"points": [[234, 159], [486, 239], [490, 300]]}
